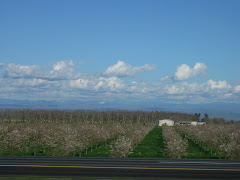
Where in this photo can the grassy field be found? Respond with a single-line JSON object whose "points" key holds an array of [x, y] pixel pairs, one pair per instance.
{"points": [[152, 146]]}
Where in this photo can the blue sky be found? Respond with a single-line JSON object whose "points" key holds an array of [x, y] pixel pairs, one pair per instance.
{"points": [[120, 50]]}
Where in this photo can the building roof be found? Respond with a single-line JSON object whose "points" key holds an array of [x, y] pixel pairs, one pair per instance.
{"points": [[165, 120]]}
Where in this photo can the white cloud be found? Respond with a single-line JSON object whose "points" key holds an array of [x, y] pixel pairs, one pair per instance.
{"points": [[185, 72], [183, 88], [98, 83], [79, 83], [228, 95], [174, 89], [60, 82], [210, 88], [237, 89], [95, 84], [29, 82], [121, 69], [166, 78], [60, 71], [19, 71], [114, 83], [218, 84], [2, 64]]}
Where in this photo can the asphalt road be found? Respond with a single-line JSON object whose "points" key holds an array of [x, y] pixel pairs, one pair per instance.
{"points": [[119, 167]]}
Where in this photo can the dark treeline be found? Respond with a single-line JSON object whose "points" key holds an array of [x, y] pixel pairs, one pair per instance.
{"points": [[214, 120], [83, 116]]}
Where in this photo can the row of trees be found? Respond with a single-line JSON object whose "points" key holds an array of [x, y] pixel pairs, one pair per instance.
{"points": [[221, 140], [175, 145], [69, 139], [129, 141], [209, 120], [56, 139], [101, 117]]}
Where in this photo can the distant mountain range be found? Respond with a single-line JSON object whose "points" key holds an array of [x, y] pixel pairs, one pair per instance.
{"points": [[229, 111]]}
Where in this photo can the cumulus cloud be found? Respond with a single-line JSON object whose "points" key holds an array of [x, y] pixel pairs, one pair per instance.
{"points": [[98, 83], [228, 95], [174, 89], [210, 87], [19, 71], [166, 78], [95, 84], [122, 69], [2, 64], [59, 81], [183, 88], [218, 84], [60, 71], [113, 83], [185, 72], [29, 82], [237, 89], [79, 83]]}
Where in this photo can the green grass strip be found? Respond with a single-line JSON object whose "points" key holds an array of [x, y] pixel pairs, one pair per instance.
{"points": [[195, 151], [152, 146]]}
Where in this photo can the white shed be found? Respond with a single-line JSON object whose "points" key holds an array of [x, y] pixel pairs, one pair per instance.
{"points": [[167, 122], [201, 123], [194, 123]]}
